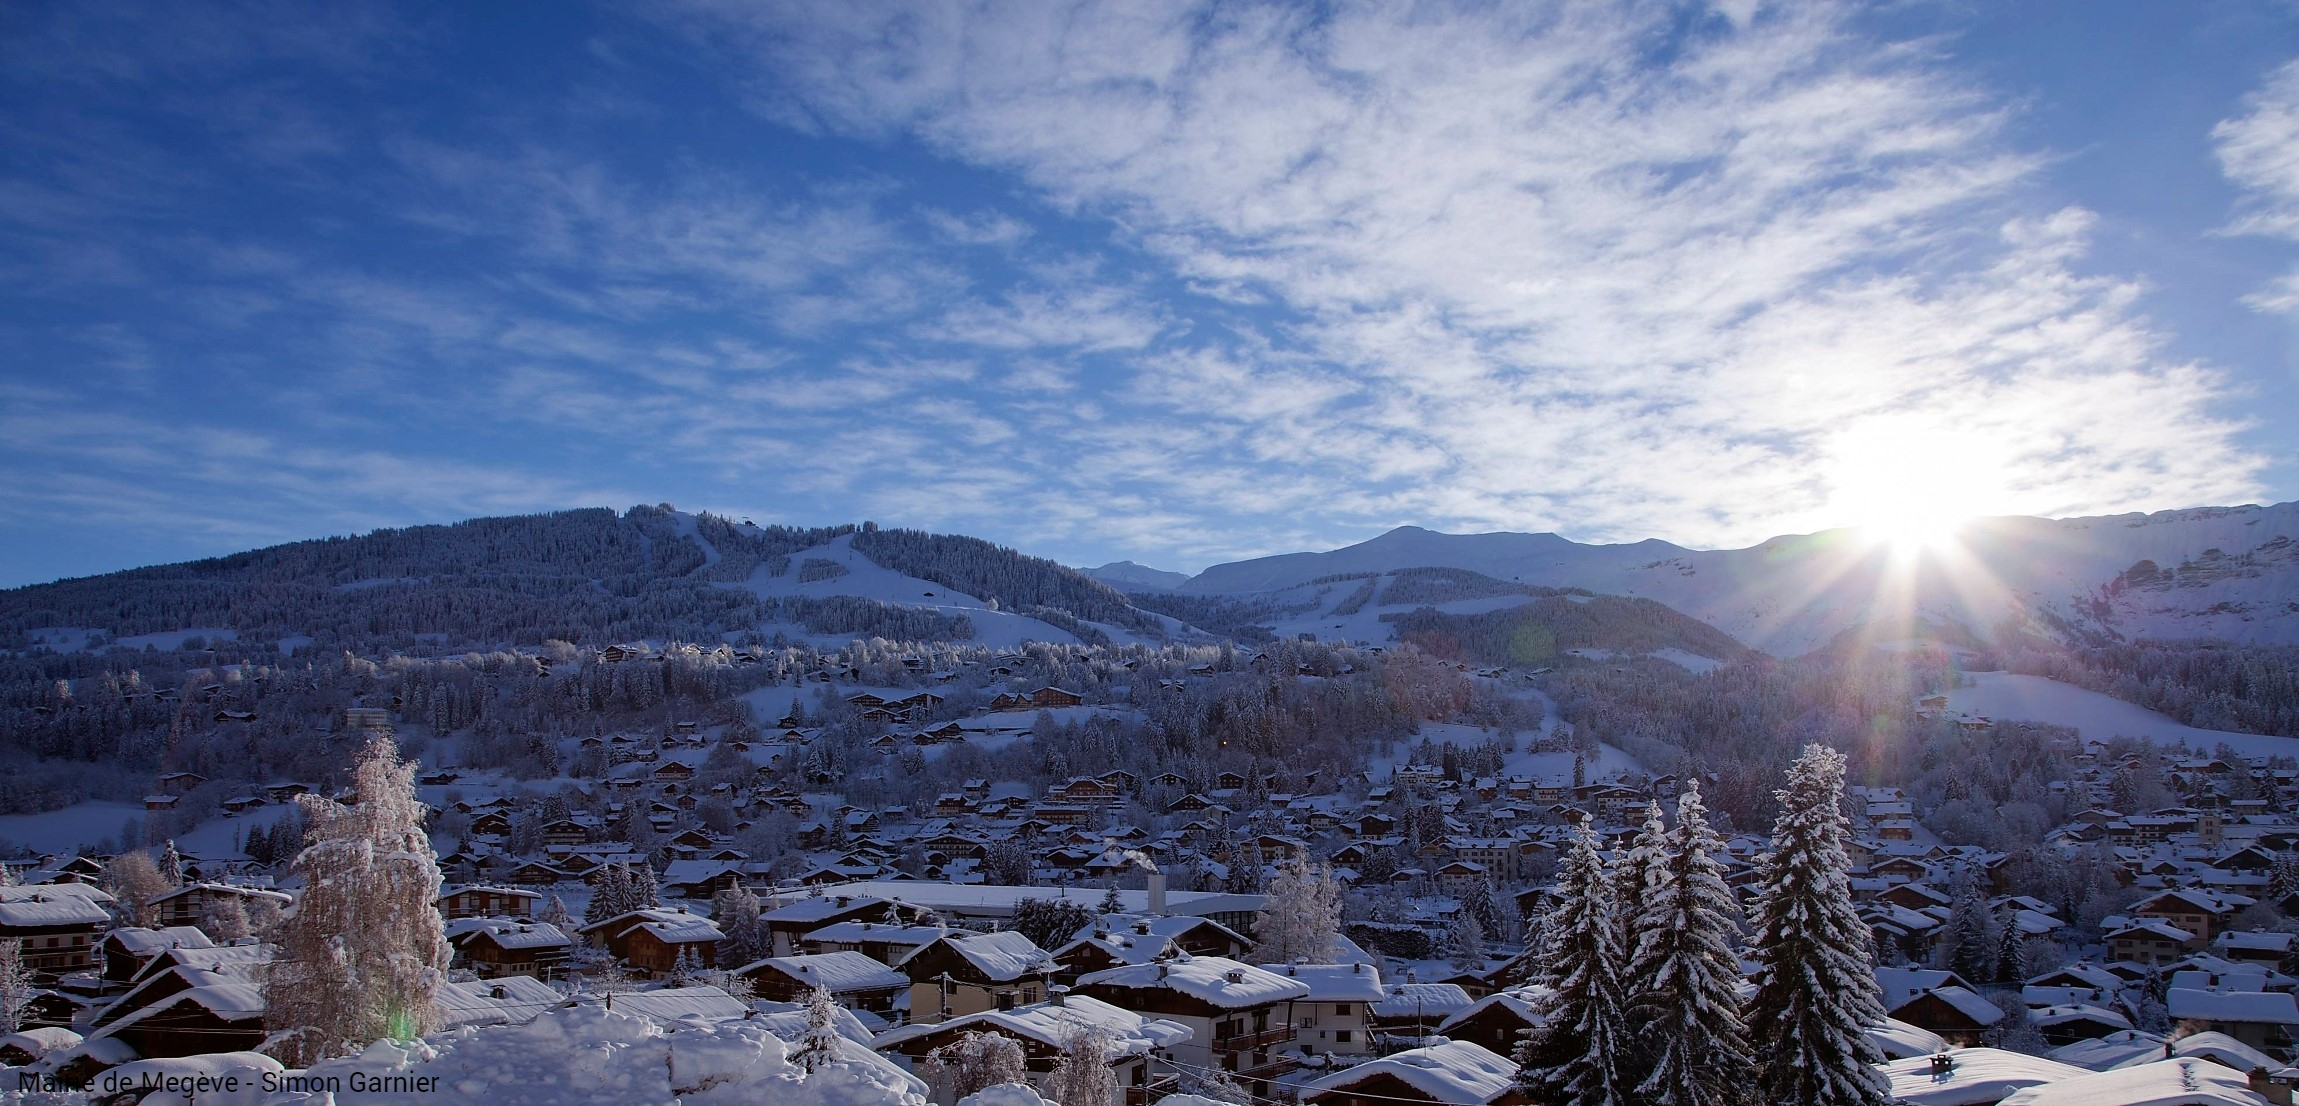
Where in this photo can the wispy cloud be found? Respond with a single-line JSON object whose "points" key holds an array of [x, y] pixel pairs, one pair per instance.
{"points": [[1617, 269], [2259, 152]]}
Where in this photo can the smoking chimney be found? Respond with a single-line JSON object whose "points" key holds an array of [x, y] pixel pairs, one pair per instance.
{"points": [[1157, 893]]}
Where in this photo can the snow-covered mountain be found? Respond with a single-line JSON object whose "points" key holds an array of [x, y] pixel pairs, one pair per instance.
{"points": [[1128, 576], [2213, 572]]}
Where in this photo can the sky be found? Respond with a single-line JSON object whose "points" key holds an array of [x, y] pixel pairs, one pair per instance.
{"points": [[1164, 282]]}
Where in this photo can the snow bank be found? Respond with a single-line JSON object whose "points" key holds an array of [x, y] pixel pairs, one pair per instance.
{"points": [[1007, 1094], [588, 1054]]}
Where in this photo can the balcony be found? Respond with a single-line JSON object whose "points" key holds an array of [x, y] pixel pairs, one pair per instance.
{"points": [[1262, 1039]]}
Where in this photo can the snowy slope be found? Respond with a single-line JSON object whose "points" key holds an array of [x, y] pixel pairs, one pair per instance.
{"points": [[2009, 697], [2227, 572], [866, 579]]}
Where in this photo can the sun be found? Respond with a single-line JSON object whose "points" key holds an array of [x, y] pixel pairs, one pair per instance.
{"points": [[1907, 486]]}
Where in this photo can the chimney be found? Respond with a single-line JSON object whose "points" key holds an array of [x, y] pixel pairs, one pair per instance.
{"points": [[1157, 893]]}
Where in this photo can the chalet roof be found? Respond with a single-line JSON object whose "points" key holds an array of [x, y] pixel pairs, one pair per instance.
{"points": [[140, 942], [2256, 1007], [675, 1003], [505, 1000], [2182, 1082], [1214, 980], [1054, 1023], [837, 972], [1002, 957], [1447, 1071], [1421, 1000], [1334, 982]]}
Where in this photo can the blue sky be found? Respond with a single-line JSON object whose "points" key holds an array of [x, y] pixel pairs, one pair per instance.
{"points": [[1175, 284]]}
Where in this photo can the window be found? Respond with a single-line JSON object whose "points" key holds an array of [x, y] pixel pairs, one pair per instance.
{"points": [[1341, 1036], [1341, 1008]]}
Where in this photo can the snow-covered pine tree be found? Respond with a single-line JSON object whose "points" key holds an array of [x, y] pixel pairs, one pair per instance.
{"points": [[1816, 992], [818, 1047], [1302, 917], [736, 910], [607, 897], [1082, 1073], [17, 985], [1684, 1003], [554, 913], [1968, 939], [363, 954], [171, 864], [1465, 941], [1576, 1060]]}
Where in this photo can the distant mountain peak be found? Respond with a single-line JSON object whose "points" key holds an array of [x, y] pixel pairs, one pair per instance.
{"points": [[1123, 575]]}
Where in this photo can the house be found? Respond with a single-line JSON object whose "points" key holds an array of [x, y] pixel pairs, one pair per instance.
{"points": [[1453, 1073], [1239, 1016], [191, 903], [787, 923], [128, 949], [1958, 1014], [884, 942], [484, 901], [497, 947], [2261, 1019], [1043, 1030], [1414, 1009], [2201, 913], [1333, 1018], [959, 974], [1497, 1021], [57, 924], [650, 940], [856, 981], [2150, 942]]}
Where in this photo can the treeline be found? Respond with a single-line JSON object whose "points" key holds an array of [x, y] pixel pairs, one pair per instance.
{"points": [[1537, 631], [587, 576], [987, 571], [1239, 619], [2209, 685]]}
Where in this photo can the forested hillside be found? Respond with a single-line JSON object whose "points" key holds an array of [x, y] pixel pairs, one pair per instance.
{"points": [[589, 577]]}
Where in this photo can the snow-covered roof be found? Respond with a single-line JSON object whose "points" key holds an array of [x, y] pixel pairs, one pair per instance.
{"points": [[2163, 1083], [1402, 1000], [2220, 1049], [1214, 980], [839, 972], [40, 1042], [1898, 1039], [1334, 982], [141, 942], [1979, 1077], [2117, 1049], [2044, 1017], [1053, 1023], [29, 911], [2263, 1007], [1002, 957], [813, 909], [46, 891], [854, 933], [249, 1067], [506, 1000], [676, 1003], [1967, 1003], [228, 1001], [1447, 1071], [1524, 1001], [508, 933], [1901, 984]]}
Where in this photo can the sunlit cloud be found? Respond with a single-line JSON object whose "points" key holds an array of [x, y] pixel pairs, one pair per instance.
{"points": [[2259, 152]]}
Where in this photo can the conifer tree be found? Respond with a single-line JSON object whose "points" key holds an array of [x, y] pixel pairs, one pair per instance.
{"points": [[2011, 965], [1577, 1059], [1816, 992], [362, 955], [554, 913], [17, 985], [1685, 1002]]}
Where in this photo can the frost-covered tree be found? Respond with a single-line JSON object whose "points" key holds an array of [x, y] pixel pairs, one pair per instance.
{"points": [[1008, 864], [818, 1046], [554, 913], [135, 881], [17, 985], [1816, 992], [977, 1060], [1465, 941], [226, 918], [1050, 923], [1302, 917], [171, 864], [1682, 973], [1576, 1060], [363, 953], [2011, 959], [1082, 1074]]}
